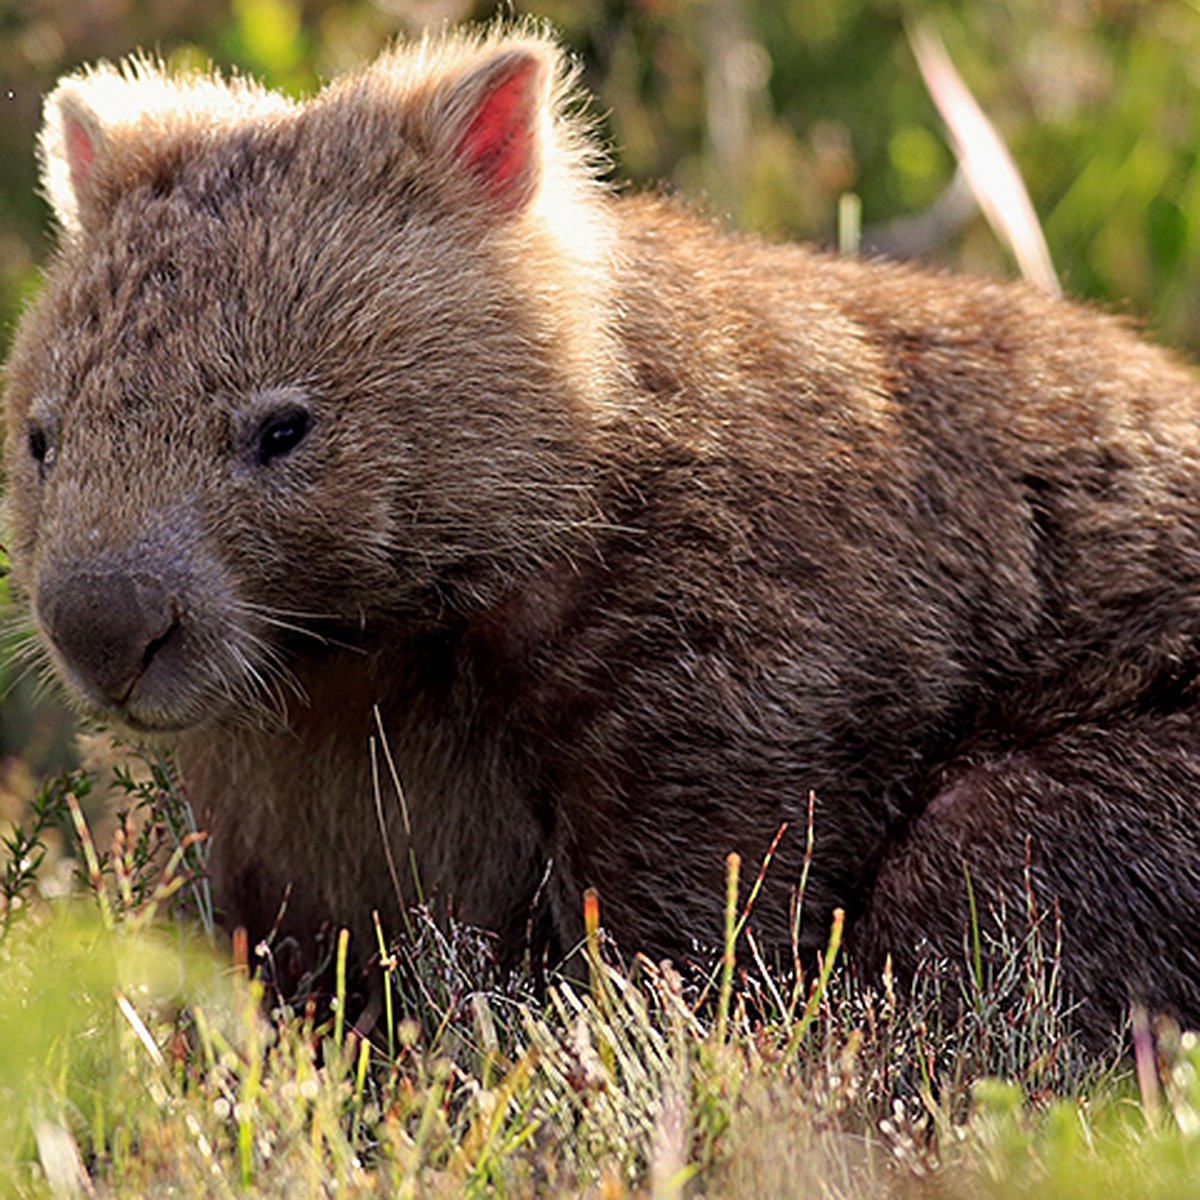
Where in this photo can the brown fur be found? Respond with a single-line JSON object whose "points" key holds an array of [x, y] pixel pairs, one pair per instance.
{"points": [[632, 533]]}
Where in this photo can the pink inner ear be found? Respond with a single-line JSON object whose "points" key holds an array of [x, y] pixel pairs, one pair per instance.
{"points": [[81, 152], [499, 142]]}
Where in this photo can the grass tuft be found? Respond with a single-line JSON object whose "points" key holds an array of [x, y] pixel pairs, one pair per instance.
{"points": [[163, 1069]]}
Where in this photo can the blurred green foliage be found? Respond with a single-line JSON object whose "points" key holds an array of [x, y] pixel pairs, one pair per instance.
{"points": [[765, 110], [1099, 101]]}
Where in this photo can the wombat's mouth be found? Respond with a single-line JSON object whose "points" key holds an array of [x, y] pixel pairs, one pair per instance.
{"points": [[168, 694], [153, 649], [143, 716], [178, 688], [146, 727]]}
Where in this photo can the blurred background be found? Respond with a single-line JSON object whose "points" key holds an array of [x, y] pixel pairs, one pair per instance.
{"points": [[770, 113]]}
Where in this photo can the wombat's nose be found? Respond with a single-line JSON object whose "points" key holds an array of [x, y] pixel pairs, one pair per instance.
{"points": [[108, 625]]}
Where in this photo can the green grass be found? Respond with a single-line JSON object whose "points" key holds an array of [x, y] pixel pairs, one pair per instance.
{"points": [[137, 1058]]}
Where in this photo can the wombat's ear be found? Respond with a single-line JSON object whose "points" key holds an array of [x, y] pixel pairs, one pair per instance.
{"points": [[492, 122], [73, 145], [107, 128]]}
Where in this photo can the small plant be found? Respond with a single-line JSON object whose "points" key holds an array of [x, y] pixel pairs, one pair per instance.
{"points": [[158, 822], [25, 844]]}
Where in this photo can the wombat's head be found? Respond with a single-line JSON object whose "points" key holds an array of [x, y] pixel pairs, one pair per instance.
{"points": [[333, 358]]}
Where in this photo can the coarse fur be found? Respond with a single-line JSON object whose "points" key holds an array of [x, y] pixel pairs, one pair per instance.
{"points": [[374, 425]]}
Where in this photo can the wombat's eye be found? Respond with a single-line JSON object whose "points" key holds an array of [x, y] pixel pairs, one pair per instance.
{"points": [[281, 432], [40, 449]]}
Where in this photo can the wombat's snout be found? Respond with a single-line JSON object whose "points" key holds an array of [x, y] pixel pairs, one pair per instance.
{"points": [[109, 625]]}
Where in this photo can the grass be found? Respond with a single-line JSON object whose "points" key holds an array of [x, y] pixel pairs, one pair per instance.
{"points": [[139, 1058]]}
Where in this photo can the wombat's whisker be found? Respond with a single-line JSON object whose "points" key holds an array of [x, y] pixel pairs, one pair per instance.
{"points": [[18, 637], [274, 617]]}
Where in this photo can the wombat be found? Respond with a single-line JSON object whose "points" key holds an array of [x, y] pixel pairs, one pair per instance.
{"points": [[459, 520]]}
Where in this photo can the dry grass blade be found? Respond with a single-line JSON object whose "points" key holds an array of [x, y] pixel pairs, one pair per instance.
{"points": [[984, 159]]}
